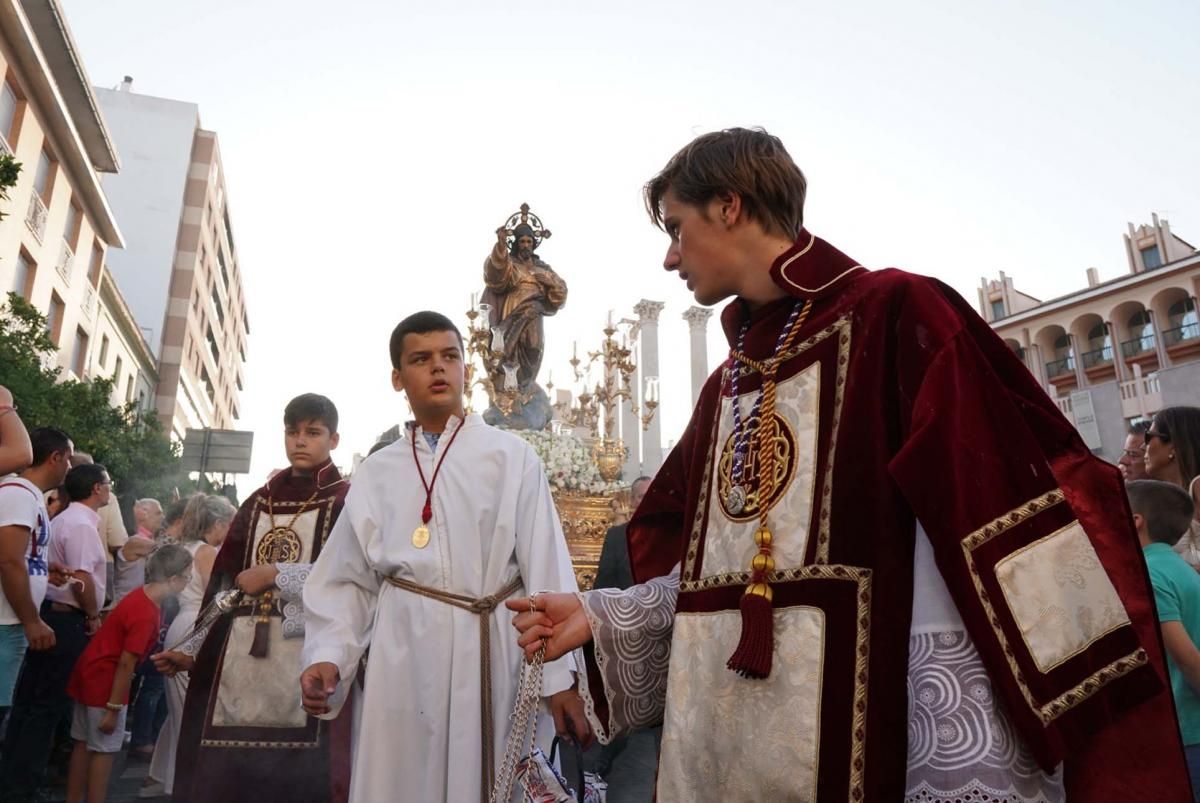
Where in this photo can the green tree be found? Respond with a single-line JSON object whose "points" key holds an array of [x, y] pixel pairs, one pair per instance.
{"points": [[131, 444], [10, 170]]}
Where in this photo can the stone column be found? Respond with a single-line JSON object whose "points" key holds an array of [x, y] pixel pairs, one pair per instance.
{"points": [[1077, 356], [1159, 346], [1114, 337], [697, 318], [652, 451], [631, 428]]}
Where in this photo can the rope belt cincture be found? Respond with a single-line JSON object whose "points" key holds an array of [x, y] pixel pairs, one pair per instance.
{"points": [[483, 608]]}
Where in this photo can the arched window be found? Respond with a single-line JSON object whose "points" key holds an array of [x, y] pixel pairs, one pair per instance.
{"points": [[1141, 334], [1183, 323], [1099, 346], [1064, 357]]}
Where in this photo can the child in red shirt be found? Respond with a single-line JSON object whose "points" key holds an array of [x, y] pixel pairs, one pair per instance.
{"points": [[100, 681]]}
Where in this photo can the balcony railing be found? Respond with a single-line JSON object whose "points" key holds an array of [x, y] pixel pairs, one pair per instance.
{"points": [[89, 300], [35, 218], [1097, 357], [1180, 334], [1060, 367], [1139, 345], [1141, 396], [66, 259]]}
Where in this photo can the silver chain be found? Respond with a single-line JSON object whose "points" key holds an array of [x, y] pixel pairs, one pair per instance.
{"points": [[524, 721]]}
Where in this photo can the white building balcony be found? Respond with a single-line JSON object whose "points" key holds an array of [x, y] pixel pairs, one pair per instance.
{"points": [[35, 218], [1141, 396], [66, 258]]}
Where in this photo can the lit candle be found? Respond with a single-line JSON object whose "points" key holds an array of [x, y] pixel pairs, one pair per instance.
{"points": [[575, 349], [610, 319], [474, 300], [652, 389]]}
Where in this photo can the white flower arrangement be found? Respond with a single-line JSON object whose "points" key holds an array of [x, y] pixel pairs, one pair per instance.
{"points": [[567, 461]]}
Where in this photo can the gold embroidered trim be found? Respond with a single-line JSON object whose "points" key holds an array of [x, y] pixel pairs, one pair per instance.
{"points": [[862, 646], [705, 491], [263, 745], [1093, 683], [1011, 519], [839, 393]]}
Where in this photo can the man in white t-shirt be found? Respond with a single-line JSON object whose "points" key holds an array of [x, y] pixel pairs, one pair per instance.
{"points": [[24, 543], [73, 611]]}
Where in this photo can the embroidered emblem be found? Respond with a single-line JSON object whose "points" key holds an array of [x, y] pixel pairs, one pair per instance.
{"points": [[784, 448], [278, 545]]}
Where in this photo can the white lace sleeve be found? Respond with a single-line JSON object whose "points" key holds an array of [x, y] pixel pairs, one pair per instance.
{"points": [[961, 744], [290, 582], [631, 633]]}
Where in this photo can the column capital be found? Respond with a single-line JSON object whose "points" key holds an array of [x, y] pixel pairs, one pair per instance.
{"points": [[648, 310], [697, 317]]}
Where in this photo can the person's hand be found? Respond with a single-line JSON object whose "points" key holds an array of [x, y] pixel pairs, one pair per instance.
{"points": [[557, 619], [108, 722], [502, 235], [39, 635], [59, 575], [6, 397], [317, 685], [257, 579], [92, 626], [172, 662], [569, 717]]}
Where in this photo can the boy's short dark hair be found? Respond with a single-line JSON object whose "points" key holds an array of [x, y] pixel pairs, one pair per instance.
{"points": [[47, 441], [1167, 509], [311, 407], [746, 161], [166, 562], [419, 323], [82, 479]]}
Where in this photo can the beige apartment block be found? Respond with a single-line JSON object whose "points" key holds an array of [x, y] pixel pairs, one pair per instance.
{"points": [[1115, 351], [180, 270], [59, 227]]}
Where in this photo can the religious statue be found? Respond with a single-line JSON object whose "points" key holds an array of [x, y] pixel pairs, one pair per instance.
{"points": [[520, 289]]}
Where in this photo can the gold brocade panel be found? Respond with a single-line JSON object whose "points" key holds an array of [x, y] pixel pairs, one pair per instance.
{"points": [[585, 521]]}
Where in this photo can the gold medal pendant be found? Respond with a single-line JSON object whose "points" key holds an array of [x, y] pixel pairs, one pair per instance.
{"points": [[420, 537]]}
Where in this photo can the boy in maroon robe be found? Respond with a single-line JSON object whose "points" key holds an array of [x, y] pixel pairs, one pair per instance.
{"points": [[871, 482], [243, 727]]}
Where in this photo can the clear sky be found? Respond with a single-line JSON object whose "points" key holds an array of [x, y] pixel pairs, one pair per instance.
{"points": [[372, 148]]}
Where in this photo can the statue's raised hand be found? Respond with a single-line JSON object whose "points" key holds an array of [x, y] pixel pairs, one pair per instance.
{"points": [[502, 235]]}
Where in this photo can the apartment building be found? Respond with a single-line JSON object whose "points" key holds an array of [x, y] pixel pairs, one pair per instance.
{"points": [[179, 269], [1116, 351], [59, 227]]}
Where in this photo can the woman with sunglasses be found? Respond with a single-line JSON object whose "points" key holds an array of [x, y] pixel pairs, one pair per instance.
{"points": [[1173, 455]]}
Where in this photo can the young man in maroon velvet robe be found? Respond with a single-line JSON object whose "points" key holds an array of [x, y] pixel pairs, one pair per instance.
{"points": [[871, 480], [243, 726]]}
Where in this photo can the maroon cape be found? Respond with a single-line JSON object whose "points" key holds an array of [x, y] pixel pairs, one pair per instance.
{"points": [[223, 763], [929, 416]]}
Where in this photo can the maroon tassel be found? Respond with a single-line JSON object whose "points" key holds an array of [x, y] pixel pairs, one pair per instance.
{"points": [[262, 637], [752, 658]]}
